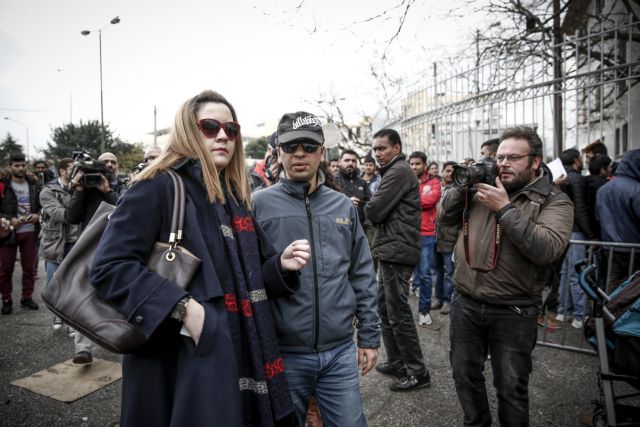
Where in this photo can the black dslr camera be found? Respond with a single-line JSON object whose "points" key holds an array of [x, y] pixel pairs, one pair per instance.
{"points": [[93, 170], [484, 171]]}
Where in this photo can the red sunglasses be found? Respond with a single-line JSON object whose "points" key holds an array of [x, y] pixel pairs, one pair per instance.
{"points": [[211, 127]]}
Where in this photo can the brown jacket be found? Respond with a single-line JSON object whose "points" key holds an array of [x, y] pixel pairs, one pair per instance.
{"points": [[532, 239]]}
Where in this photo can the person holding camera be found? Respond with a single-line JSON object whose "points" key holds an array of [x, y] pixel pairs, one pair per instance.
{"points": [[516, 224], [88, 194], [20, 206], [57, 236]]}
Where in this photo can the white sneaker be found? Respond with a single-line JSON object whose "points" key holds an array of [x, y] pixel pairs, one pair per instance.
{"points": [[57, 323], [71, 332], [425, 320], [577, 324], [560, 317]]}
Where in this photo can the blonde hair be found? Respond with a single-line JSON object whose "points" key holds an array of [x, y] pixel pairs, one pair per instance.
{"points": [[185, 141]]}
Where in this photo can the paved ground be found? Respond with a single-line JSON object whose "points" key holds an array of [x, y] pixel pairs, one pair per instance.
{"points": [[562, 384]]}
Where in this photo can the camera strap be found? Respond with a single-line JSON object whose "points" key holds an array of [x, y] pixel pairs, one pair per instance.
{"points": [[497, 231]]}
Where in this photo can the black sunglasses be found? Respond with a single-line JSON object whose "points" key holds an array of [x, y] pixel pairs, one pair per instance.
{"points": [[291, 147], [211, 127]]}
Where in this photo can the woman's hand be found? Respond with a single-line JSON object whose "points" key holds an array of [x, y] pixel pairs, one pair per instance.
{"points": [[295, 256], [194, 319]]}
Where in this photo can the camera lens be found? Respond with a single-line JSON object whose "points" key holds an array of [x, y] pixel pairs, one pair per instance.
{"points": [[461, 175]]}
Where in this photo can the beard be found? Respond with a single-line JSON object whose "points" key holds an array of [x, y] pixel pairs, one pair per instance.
{"points": [[518, 182]]}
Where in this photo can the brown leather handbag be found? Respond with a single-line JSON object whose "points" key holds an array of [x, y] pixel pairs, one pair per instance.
{"points": [[71, 296]]}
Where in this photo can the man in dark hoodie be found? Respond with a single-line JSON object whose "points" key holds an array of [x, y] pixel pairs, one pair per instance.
{"points": [[575, 188], [618, 207]]}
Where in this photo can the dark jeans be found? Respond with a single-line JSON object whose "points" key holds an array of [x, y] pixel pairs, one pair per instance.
{"points": [[423, 278], [620, 264], [442, 265], [27, 244], [399, 331], [478, 329]]}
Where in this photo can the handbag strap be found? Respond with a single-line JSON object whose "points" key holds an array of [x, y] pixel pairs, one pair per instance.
{"points": [[177, 221]]}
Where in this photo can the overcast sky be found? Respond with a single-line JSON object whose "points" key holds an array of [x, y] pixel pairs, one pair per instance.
{"points": [[265, 57]]}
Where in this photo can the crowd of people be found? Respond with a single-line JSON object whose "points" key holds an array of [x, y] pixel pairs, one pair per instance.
{"points": [[309, 265]]}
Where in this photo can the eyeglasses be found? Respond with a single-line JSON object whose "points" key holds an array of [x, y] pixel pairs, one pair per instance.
{"points": [[512, 158], [211, 127], [292, 147]]}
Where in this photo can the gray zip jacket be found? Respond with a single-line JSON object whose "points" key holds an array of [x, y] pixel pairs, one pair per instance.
{"points": [[55, 231], [337, 284]]}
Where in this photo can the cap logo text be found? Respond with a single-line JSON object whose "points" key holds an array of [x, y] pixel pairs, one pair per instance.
{"points": [[309, 120]]}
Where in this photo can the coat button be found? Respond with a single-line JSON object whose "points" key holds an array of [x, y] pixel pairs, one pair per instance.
{"points": [[139, 319]]}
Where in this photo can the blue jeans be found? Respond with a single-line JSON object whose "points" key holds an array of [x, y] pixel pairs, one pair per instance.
{"points": [[574, 295], [478, 329], [423, 275], [442, 265], [332, 377]]}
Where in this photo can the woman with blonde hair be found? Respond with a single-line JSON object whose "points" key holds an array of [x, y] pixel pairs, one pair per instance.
{"points": [[212, 355]]}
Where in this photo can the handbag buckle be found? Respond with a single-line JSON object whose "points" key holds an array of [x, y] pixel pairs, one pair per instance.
{"points": [[170, 255]]}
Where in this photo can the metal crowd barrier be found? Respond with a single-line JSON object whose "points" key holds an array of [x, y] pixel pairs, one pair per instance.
{"points": [[566, 337]]}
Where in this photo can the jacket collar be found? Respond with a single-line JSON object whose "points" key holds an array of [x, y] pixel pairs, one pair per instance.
{"points": [[541, 186], [347, 175], [299, 189], [385, 168]]}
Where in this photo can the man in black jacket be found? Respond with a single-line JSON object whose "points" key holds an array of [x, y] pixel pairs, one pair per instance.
{"points": [[20, 205], [395, 210], [350, 183], [575, 188]]}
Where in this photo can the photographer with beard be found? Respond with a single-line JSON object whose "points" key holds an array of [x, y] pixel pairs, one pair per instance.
{"points": [[516, 224], [85, 201]]}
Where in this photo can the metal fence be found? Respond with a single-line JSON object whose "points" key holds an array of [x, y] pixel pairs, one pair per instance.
{"points": [[449, 116], [565, 337]]}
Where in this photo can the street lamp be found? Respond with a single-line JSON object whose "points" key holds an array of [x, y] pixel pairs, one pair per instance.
{"points": [[26, 128], [114, 21]]}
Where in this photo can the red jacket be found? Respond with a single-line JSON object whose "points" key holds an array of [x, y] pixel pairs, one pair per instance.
{"points": [[430, 189]]}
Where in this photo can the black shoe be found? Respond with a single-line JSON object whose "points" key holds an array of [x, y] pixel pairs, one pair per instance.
{"points": [[411, 382], [29, 303], [7, 307], [436, 305], [385, 369], [83, 358]]}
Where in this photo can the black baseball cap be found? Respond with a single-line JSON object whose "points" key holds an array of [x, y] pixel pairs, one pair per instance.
{"points": [[300, 125]]}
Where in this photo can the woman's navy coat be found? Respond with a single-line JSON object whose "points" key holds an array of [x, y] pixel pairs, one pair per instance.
{"points": [[170, 381]]}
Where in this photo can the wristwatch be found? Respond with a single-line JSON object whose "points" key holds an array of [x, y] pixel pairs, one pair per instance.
{"points": [[180, 310]]}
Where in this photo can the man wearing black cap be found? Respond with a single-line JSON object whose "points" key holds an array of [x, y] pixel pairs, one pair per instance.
{"points": [[315, 326]]}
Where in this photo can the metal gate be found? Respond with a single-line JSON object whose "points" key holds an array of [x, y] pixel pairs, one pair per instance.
{"points": [[449, 116]]}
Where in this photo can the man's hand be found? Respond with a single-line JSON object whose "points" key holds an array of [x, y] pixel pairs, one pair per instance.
{"points": [[75, 182], [295, 256], [194, 319], [495, 198], [16, 223], [560, 182], [5, 227], [355, 201], [104, 184], [33, 218], [367, 358]]}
